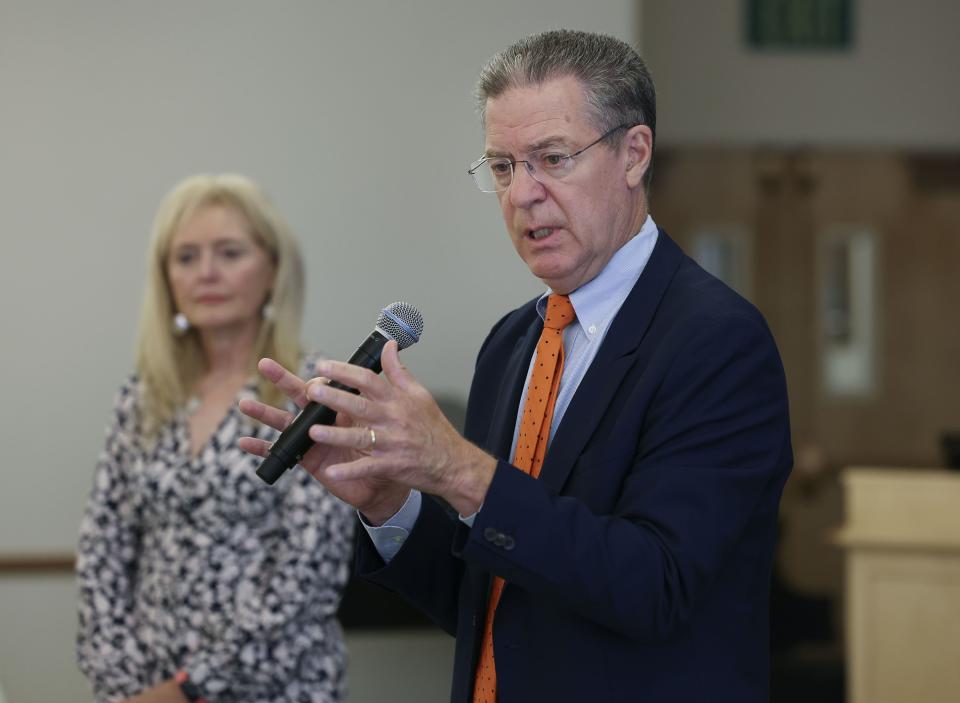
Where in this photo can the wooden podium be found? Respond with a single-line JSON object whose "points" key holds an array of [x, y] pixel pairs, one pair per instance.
{"points": [[902, 544]]}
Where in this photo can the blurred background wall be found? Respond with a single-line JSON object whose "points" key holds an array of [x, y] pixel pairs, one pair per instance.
{"points": [[821, 182], [358, 119]]}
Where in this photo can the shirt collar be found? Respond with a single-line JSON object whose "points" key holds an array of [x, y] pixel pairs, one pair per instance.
{"points": [[598, 300]]}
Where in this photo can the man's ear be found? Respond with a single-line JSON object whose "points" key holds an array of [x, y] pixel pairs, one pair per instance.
{"points": [[639, 145]]}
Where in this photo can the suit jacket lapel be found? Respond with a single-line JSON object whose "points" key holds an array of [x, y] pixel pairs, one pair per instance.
{"points": [[504, 418], [612, 361]]}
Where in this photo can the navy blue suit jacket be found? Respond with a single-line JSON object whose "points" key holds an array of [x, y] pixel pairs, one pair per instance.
{"points": [[638, 564]]}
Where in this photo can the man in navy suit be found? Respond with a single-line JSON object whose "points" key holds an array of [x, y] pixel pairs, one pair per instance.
{"points": [[637, 565]]}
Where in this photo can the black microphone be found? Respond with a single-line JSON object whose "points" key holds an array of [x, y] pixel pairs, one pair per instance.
{"points": [[398, 321]]}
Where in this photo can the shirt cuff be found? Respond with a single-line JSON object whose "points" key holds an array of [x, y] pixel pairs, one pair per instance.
{"points": [[390, 536], [468, 519]]}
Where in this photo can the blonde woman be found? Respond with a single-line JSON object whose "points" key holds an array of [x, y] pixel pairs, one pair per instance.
{"points": [[197, 581]]}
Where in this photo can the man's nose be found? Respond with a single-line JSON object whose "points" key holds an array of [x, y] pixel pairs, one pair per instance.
{"points": [[524, 188]]}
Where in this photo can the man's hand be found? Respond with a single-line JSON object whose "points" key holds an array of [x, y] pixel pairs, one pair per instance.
{"points": [[390, 438], [379, 497]]}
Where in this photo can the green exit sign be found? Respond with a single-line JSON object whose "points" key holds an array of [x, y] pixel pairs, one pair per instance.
{"points": [[799, 24]]}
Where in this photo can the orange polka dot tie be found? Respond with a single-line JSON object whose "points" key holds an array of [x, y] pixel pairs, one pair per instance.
{"points": [[528, 456]]}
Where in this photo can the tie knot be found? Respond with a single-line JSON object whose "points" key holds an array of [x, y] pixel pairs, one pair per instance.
{"points": [[559, 312]]}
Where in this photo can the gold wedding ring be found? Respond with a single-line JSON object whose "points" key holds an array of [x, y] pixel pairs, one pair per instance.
{"points": [[373, 438]]}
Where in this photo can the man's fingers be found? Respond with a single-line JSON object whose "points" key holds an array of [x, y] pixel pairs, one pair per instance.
{"points": [[277, 419], [355, 406], [364, 467], [393, 368], [253, 445], [289, 383], [352, 376], [359, 438]]}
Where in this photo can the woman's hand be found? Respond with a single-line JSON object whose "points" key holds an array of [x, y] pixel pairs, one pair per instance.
{"points": [[166, 692]]}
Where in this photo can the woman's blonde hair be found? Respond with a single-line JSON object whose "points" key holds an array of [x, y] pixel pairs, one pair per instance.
{"points": [[168, 365]]}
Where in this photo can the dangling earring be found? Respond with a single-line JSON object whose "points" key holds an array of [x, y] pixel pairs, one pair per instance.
{"points": [[267, 311], [180, 324]]}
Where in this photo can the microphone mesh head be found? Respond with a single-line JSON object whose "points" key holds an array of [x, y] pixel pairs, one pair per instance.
{"points": [[402, 322]]}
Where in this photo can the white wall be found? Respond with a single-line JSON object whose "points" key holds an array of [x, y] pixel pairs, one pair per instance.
{"points": [[896, 87], [356, 117]]}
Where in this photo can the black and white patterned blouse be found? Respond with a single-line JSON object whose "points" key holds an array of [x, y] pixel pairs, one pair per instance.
{"points": [[197, 564]]}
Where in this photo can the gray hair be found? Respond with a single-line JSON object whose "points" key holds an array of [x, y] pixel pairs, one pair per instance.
{"points": [[616, 83]]}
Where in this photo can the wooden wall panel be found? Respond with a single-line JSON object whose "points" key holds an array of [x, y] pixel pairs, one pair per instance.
{"points": [[787, 199]]}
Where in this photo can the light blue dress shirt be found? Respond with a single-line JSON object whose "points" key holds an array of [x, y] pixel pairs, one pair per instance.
{"points": [[595, 303]]}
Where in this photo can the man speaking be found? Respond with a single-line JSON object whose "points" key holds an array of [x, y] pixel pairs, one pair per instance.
{"points": [[626, 440]]}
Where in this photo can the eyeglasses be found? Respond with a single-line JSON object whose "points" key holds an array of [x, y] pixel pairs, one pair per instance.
{"points": [[494, 174]]}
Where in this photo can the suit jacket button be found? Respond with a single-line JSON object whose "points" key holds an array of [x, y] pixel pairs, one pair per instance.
{"points": [[490, 534], [500, 540], [508, 543]]}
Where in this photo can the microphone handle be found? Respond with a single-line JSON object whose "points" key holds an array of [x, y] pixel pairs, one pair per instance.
{"points": [[294, 441]]}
